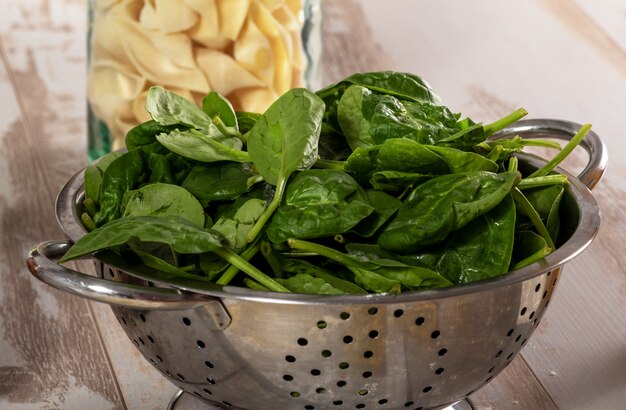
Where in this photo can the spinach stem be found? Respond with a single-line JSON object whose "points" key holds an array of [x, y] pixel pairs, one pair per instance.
{"points": [[254, 285], [323, 251], [528, 209], [234, 259], [567, 149], [87, 221], [272, 259], [232, 270], [226, 130], [547, 180], [267, 214], [329, 164], [503, 122]]}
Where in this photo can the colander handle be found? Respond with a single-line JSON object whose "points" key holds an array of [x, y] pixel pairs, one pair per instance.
{"points": [[564, 130], [42, 264]]}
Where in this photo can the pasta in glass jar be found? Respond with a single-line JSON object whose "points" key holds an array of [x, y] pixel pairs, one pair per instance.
{"points": [[250, 51]]}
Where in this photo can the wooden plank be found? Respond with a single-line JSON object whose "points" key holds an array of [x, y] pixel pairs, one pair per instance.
{"points": [[50, 352], [46, 48]]}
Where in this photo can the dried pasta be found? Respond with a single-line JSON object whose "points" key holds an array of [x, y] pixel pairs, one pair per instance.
{"points": [[248, 50]]}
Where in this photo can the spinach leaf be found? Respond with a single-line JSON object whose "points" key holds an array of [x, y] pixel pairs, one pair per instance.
{"points": [[204, 148], [183, 236], [529, 248], [384, 207], [546, 202], [319, 202], [305, 283], [94, 174], [283, 140], [303, 267], [217, 181], [120, 176], [236, 229], [482, 249], [167, 108], [144, 134], [160, 169], [215, 104], [443, 204], [246, 120], [160, 199]]}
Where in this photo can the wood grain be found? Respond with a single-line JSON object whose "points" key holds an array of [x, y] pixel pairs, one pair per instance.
{"points": [[52, 356]]}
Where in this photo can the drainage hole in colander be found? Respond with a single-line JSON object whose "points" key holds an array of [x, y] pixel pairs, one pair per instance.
{"points": [[290, 358], [524, 342], [523, 311], [325, 353], [294, 394], [316, 372], [439, 370], [180, 376], [373, 334], [360, 406], [209, 364], [142, 342], [348, 339], [518, 338], [368, 354], [427, 389], [200, 344], [344, 315], [367, 374], [342, 383], [338, 402], [442, 352], [142, 317], [168, 373], [382, 401], [159, 358], [488, 379], [499, 354], [532, 314], [362, 392], [210, 381], [197, 394], [136, 342], [153, 362], [435, 334], [132, 321], [545, 294], [510, 332], [309, 407], [510, 356], [227, 404], [372, 311], [321, 324], [344, 365], [302, 341], [320, 390], [124, 321], [186, 321], [111, 273], [420, 321], [491, 370], [408, 404], [398, 313], [207, 391], [151, 339], [538, 287], [287, 377]]}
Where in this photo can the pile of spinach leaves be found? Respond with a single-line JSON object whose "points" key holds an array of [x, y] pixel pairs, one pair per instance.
{"points": [[368, 185]]}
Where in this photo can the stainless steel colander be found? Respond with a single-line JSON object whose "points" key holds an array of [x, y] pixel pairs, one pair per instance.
{"points": [[245, 349]]}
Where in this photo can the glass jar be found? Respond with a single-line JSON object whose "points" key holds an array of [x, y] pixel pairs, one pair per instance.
{"points": [[250, 51]]}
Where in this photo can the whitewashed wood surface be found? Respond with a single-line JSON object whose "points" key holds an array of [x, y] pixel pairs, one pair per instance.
{"points": [[561, 59]]}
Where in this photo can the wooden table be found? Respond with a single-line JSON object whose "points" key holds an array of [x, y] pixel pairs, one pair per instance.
{"points": [[561, 59]]}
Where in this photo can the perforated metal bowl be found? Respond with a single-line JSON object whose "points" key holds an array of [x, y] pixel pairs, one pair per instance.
{"points": [[245, 349]]}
